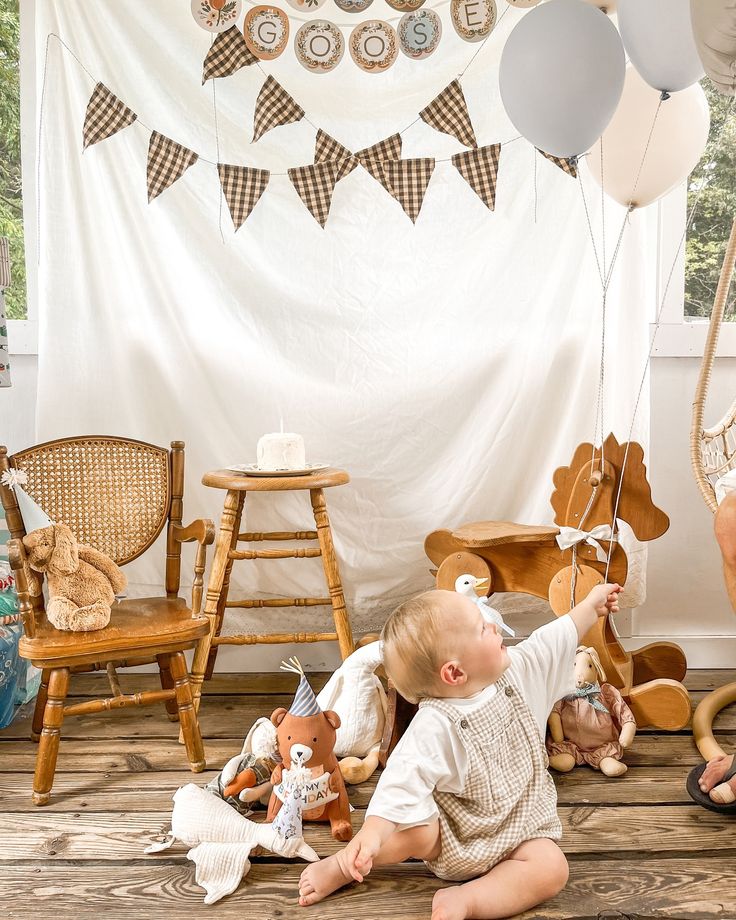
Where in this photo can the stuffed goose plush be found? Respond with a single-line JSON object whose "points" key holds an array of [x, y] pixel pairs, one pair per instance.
{"points": [[467, 585], [357, 696]]}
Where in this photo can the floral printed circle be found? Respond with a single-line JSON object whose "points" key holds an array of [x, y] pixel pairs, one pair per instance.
{"points": [[373, 45], [319, 46], [216, 15], [266, 31], [419, 34]]}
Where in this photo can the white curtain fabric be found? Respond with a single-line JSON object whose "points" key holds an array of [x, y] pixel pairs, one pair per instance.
{"points": [[450, 366]]}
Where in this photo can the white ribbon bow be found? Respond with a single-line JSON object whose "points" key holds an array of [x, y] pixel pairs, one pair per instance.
{"points": [[12, 478], [571, 536]]}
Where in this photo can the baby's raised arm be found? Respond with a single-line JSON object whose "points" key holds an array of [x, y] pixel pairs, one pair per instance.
{"points": [[602, 599]]}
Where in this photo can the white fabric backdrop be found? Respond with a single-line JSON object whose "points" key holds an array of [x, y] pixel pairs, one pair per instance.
{"points": [[450, 367]]}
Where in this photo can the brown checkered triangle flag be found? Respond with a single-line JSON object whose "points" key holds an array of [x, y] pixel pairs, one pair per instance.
{"points": [[327, 149], [242, 187], [274, 107], [373, 158], [167, 162], [566, 164], [227, 54], [407, 181], [448, 113], [314, 185], [105, 116], [479, 168]]}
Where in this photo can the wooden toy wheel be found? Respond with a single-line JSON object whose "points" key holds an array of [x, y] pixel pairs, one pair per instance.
{"points": [[561, 585], [457, 564]]}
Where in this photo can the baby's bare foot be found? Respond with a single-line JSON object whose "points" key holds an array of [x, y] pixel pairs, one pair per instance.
{"points": [[449, 904], [322, 878]]}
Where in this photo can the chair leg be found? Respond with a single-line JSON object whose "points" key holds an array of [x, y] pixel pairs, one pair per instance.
{"points": [[41, 698], [167, 683], [48, 747], [187, 713]]}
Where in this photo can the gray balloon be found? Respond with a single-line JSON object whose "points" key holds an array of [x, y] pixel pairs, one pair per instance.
{"points": [[561, 76], [658, 37]]}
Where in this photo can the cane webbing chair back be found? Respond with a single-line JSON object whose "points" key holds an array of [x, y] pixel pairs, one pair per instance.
{"points": [[114, 493]]}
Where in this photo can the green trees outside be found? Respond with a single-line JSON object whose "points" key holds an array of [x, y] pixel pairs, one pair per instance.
{"points": [[11, 203], [714, 179]]}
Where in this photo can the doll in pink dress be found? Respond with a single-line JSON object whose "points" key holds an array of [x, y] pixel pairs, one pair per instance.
{"points": [[593, 725]]}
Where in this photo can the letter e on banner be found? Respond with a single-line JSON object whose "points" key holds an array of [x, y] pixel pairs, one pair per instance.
{"points": [[473, 19]]}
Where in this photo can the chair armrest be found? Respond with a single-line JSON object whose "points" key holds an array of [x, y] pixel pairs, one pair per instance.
{"points": [[19, 565], [201, 530]]}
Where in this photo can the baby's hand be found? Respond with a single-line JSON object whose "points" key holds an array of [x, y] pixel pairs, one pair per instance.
{"points": [[604, 599], [358, 855]]}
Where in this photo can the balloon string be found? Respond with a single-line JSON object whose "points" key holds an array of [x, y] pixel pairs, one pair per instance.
{"points": [[657, 321]]}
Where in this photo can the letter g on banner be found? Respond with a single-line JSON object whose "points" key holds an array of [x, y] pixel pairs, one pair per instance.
{"points": [[266, 31]]}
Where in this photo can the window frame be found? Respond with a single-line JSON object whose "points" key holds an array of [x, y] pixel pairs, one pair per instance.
{"points": [[23, 333], [677, 336]]}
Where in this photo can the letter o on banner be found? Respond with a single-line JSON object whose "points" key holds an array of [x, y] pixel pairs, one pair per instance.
{"points": [[319, 46], [373, 46]]}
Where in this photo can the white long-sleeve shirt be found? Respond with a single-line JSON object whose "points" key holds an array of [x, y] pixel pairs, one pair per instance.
{"points": [[430, 755]]}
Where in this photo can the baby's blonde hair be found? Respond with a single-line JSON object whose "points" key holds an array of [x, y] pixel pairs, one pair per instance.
{"points": [[412, 646]]}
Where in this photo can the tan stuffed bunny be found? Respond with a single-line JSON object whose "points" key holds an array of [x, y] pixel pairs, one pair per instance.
{"points": [[82, 581], [593, 725]]}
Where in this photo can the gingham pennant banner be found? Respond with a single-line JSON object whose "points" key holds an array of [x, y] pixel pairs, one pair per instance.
{"points": [[407, 181], [227, 54], [105, 116], [274, 107], [327, 149], [479, 168], [167, 162], [448, 113], [566, 164], [373, 158], [315, 184], [242, 187]]}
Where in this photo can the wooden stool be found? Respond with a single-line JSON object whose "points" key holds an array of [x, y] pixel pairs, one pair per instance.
{"points": [[226, 552]]}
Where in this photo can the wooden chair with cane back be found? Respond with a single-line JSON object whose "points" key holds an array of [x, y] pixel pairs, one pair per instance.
{"points": [[116, 495], [712, 455]]}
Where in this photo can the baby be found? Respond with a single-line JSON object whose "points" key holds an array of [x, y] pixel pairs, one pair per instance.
{"points": [[467, 788]]}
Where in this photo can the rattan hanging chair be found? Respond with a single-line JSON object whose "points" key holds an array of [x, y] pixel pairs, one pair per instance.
{"points": [[712, 454]]}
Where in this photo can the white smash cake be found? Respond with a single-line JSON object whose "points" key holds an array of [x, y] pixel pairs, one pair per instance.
{"points": [[281, 451]]}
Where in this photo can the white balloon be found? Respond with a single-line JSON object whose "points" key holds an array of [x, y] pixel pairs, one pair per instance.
{"points": [[561, 75], [714, 28], [677, 142], [658, 37]]}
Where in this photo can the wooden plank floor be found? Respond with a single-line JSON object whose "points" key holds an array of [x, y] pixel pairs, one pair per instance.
{"points": [[638, 848]]}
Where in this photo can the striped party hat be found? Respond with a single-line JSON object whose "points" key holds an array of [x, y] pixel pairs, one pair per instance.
{"points": [[305, 702]]}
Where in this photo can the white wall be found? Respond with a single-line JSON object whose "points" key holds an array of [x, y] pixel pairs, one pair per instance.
{"points": [[18, 402], [686, 596]]}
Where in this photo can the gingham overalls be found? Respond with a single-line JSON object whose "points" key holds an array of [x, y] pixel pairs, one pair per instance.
{"points": [[508, 797]]}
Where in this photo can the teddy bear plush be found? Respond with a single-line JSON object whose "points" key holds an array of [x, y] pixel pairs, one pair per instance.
{"points": [[593, 725], [306, 740], [82, 581]]}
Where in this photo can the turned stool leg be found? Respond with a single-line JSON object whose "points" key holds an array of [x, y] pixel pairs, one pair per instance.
{"points": [[187, 712], [41, 698], [332, 573], [48, 747], [167, 683]]}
